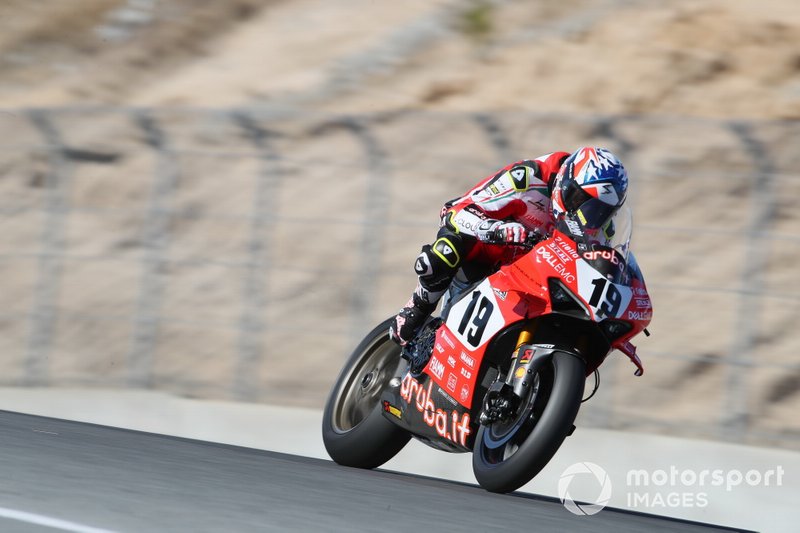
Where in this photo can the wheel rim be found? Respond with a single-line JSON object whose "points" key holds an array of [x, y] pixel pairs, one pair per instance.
{"points": [[362, 388], [502, 439]]}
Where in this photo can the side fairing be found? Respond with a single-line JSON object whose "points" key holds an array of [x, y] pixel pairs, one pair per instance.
{"points": [[462, 341]]}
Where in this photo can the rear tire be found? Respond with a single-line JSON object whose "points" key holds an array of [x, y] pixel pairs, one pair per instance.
{"points": [[354, 429], [508, 454]]}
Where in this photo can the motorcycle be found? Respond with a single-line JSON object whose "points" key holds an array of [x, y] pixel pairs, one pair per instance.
{"points": [[501, 372]]}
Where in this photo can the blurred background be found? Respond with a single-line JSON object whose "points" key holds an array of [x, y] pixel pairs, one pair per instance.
{"points": [[217, 199]]}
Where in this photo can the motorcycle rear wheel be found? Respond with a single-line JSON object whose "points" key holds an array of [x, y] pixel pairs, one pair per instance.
{"points": [[508, 454], [354, 430]]}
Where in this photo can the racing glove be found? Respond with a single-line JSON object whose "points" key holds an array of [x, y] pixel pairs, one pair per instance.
{"points": [[499, 231]]}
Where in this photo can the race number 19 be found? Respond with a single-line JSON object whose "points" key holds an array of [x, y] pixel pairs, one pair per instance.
{"points": [[612, 300], [476, 320]]}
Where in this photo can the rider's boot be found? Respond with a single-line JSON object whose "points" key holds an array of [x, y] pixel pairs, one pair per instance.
{"points": [[413, 315]]}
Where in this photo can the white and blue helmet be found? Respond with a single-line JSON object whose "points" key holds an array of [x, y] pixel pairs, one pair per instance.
{"points": [[590, 187]]}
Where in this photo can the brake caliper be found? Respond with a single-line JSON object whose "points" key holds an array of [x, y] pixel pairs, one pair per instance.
{"points": [[500, 403]]}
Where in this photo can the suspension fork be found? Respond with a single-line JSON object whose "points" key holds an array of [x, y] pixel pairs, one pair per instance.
{"points": [[503, 397], [525, 337]]}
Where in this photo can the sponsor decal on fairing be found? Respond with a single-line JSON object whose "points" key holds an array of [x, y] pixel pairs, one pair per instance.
{"points": [[392, 410], [606, 298], [450, 425], [475, 319], [451, 382], [437, 367], [639, 315], [543, 254]]}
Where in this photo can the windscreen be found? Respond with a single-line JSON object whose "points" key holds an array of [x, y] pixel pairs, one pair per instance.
{"points": [[607, 248]]}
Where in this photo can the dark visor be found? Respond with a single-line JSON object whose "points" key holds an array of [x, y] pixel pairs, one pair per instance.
{"points": [[591, 212]]}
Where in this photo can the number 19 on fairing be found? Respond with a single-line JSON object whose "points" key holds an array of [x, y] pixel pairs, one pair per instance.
{"points": [[611, 302], [480, 319]]}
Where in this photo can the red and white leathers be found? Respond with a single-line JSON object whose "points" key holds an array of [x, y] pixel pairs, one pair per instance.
{"points": [[515, 200], [520, 192]]}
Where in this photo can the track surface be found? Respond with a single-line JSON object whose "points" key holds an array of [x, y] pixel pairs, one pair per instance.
{"points": [[91, 476]]}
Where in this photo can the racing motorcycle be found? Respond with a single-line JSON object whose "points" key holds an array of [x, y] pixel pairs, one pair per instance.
{"points": [[501, 372]]}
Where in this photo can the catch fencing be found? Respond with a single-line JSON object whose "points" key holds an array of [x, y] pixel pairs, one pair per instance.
{"points": [[241, 254]]}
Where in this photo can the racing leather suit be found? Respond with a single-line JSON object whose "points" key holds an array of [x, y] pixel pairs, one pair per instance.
{"points": [[519, 192]]}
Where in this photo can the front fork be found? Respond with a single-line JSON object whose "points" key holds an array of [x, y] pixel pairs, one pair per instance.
{"points": [[503, 397]]}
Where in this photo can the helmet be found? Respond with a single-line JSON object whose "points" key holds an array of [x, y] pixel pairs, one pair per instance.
{"points": [[588, 190]]}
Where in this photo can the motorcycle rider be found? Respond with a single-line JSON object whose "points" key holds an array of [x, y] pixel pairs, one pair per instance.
{"points": [[577, 193]]}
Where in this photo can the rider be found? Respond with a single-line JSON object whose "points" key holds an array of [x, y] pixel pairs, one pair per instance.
{"points": [[577, 193]]}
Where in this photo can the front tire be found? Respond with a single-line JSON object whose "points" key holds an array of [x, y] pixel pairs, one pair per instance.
{"points": [[508, 454], [354, 429]]}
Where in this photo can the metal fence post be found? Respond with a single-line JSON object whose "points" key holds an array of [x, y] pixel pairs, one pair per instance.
{"points": [[44, 315], [155, 241], [252, 326]]}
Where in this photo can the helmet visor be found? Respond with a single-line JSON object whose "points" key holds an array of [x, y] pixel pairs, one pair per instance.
{"points": [[594, 213], [591, 212]]}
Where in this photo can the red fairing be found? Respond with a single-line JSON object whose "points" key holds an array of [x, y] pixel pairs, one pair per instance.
{"points": [[520, 291], [461, 344]]}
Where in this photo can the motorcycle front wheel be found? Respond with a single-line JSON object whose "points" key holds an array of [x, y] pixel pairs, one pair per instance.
{"points": [[354, 430], [509, 453]]}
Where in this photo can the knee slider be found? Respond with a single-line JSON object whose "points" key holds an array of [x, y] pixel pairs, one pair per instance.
{"points": [[437, 264]]}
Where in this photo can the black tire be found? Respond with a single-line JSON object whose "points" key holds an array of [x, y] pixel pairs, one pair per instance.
{"points": [[543, 422], [354, 429]]}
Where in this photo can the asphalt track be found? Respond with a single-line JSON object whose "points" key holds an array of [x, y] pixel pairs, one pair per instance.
{"points": [[59, 475]]}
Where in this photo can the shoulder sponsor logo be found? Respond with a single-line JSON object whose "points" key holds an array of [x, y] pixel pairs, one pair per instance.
{"points": [[538, 205], [519, 176], [500, 294]]}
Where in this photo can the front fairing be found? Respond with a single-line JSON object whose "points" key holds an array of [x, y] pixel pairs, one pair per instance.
{"points": [[590, 279]]}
